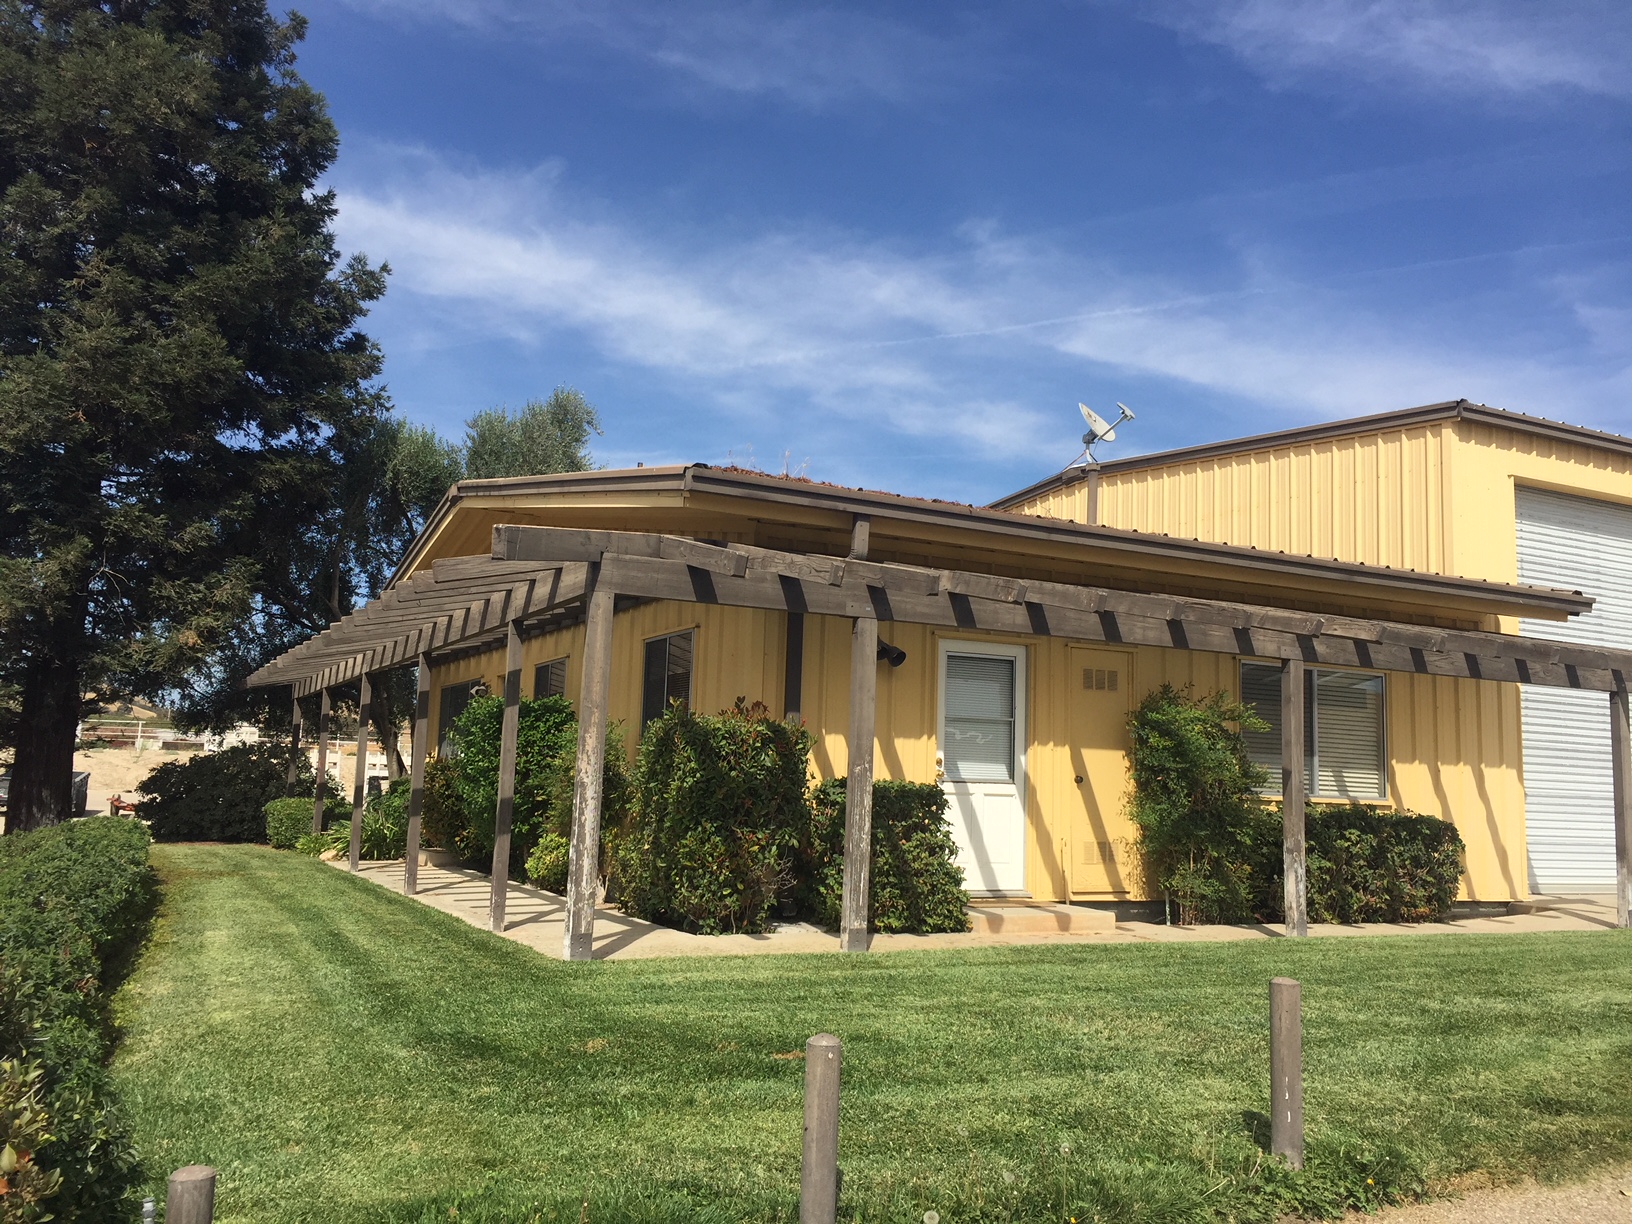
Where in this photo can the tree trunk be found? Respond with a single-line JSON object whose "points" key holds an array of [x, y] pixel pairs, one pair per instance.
{"points": [[383, 715], [42, 780]]}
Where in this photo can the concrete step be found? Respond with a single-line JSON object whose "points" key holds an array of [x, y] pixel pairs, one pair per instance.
{"points": [[996, 919]]}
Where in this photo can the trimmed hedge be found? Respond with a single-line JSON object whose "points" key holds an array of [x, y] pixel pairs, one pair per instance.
{"points": [[287, 821], [1368, 864], [718, 811], [219, 796], [75, 903], [917, 886]]}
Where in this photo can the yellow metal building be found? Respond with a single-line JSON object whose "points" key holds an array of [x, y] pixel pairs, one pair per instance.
{"points": [[1392, 517], [1441, 489]]}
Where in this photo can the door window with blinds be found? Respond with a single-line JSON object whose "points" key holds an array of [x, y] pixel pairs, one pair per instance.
{"points": [[980, 718], [667, 675], [1342, 730]]}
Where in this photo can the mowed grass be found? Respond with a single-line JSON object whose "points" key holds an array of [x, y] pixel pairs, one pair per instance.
{"points": [[341, 1053]]}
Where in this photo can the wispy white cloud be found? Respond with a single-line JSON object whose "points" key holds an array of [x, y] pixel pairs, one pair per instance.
{"points": [[812, 56], [1481, 47], [830, 329]]}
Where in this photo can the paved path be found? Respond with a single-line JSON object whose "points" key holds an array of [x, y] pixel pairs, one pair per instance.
{"points": [[537, 918], [1604, 1200]]}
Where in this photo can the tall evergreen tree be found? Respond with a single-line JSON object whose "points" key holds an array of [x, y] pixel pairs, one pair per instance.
{"points": [[180, 370]]}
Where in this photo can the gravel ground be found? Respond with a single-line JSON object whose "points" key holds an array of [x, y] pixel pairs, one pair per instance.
{"points": [[1604, 1200]]}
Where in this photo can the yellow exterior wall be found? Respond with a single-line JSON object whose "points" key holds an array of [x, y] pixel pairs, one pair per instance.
{"points": [[1437, 498], [1434, 757]]}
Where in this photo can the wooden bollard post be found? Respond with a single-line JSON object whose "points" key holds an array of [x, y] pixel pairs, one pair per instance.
{"points": [[819, 1176], [1286, 1070], [190, 1198]]}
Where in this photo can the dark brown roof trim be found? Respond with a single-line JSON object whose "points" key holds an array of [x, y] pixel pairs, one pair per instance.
{"points": [[1405, 418]]}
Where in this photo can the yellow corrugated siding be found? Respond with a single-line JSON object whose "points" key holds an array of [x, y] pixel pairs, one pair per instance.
{"points": [[1376, 499], [1436, 498]]}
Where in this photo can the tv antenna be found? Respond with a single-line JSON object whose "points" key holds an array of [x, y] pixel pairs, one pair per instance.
{"points": [[1099, 429]]}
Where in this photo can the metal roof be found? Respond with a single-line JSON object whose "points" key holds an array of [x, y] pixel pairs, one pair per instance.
{"points": [[1404, 418]]}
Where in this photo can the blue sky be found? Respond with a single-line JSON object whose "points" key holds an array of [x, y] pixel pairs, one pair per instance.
{"points": [[894, 245]]}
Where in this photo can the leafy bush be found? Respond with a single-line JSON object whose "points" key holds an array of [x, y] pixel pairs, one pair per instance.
{"points": [[219, 796], [287, 821], [384, 831], [718, 810], [917, 886], [1212, 845], [75, 902], [1195, 795], [1366, 864], [25, 1129], [442, 822], [547, 864], [465, 793]]}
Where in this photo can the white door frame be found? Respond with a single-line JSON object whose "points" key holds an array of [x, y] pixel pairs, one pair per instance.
{"points": [[1022, 698]]}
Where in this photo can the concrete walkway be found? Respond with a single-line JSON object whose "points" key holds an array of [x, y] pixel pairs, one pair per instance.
{"points": [[1603, 1200], [537, 919]]}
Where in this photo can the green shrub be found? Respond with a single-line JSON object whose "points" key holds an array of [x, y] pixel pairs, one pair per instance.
{"points": [[546, 752], [287, 821], [1367, 864], [75, 902], [547, 864], [384, 832], [1195, 795], [219, 796], [718, 810], [442, 823], [917, 886], [312, 844], [1212, 846]]}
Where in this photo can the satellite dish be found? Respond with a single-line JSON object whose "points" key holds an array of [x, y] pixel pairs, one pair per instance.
{"points": [[1099, 429]]}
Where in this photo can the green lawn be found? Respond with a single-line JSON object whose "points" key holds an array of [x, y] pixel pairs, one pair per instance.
{"points": [[340, 1053]]}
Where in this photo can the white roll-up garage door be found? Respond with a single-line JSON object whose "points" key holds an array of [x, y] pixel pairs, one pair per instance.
{"points": [[1581, 545]]}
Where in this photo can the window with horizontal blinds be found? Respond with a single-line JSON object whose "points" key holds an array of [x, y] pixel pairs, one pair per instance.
{"points": [[979, 696], [1343, 733], [667, 675], [1349, 735], [550, 679], [454, 699]]}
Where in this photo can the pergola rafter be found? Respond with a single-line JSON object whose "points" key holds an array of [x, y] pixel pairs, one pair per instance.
{"points": [[557, 575]]}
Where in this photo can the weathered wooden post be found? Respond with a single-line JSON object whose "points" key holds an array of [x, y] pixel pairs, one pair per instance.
{"points": [[819, 1172], [417, 749], [294, 747], [1620, 746], [584, 857], [359, 790], [1293, 858], [190, 1196], [507, 777], [858, 791], [322, 762], [1286, 1070], [793, 668]]}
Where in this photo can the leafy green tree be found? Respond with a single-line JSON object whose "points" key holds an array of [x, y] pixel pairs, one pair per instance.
{"points": [[180, 372], [545, 436]]}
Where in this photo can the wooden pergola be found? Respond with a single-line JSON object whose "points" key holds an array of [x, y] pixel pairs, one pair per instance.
{"points": [[542, 578]]}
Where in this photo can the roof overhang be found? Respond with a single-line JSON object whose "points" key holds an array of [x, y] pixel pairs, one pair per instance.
{"points": [[541, 576], [808, 516]]}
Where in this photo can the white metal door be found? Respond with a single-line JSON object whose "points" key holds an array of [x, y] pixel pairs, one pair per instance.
{"points": [[982, 761], [1583, 545]]}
